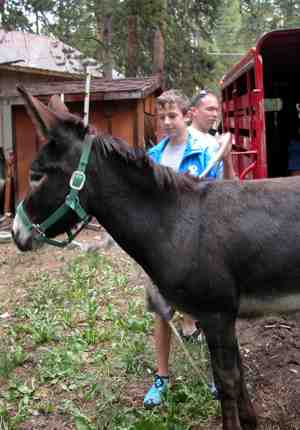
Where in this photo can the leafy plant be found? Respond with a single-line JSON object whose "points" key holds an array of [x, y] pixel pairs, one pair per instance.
{"points": [[90, 354], [9, 360]]}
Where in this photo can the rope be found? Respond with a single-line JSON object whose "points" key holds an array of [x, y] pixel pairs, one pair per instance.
{"points": [[202, 376]]}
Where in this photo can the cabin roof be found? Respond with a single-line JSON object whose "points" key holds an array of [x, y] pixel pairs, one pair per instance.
{"points": [[31, 53], [100, 89]]}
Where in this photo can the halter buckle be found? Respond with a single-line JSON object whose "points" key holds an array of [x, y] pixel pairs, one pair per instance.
{"points": [[37, 228], [77, 180]]}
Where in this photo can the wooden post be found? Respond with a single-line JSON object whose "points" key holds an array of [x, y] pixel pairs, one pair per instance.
{"points": [[8, 192], [139, 126], [87, 98]]}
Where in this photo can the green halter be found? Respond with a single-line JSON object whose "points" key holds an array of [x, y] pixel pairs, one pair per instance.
{"points": [[72, 202]]}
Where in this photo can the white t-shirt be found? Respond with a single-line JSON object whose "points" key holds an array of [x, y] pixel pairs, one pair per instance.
{"points": [[173, 155], [206, 139], [208, 143]]}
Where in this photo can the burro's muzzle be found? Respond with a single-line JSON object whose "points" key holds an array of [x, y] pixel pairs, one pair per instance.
{"points": [[22, 235]]}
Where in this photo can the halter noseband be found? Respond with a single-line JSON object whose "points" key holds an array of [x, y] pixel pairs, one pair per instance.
{"points": [[71, 202]]}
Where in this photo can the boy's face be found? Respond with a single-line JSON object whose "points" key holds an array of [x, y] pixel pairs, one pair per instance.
{"points": [[205, 115], [171, 120]]}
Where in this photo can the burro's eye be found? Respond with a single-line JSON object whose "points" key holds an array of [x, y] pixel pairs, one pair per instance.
{"points": [[35, 178]]}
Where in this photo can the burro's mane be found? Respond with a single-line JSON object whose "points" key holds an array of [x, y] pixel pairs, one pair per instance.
{"points": [[164, 177]]}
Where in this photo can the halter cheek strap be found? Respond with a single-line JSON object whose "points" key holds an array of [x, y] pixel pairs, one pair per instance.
{"points": [[72, 202]]}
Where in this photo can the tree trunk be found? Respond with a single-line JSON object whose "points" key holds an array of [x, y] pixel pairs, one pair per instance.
{"points": [[158, 53], [107, 38], [103, 11], [132, 68]]}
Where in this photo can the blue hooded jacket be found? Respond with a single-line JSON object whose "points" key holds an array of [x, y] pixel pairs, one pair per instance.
{"points": [[195, 159]]}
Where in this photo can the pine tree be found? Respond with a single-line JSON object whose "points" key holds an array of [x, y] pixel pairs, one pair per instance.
{"points": [[286, 13], [228, 47]]}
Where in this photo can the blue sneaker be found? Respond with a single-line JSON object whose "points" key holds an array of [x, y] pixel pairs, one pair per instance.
{"points": [[214, 391], [155, 394]]}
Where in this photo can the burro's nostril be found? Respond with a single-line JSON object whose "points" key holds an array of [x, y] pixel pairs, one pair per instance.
{"points": [[13, 234], [16, 237]]}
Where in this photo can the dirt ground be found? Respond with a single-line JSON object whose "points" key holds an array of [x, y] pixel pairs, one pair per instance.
{"points": [[270, 346]]}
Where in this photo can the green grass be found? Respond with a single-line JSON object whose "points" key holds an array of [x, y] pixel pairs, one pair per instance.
{"points": [[79, 348]]}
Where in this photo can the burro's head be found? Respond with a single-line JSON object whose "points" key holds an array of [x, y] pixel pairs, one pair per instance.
{"points": [[63, 135]]}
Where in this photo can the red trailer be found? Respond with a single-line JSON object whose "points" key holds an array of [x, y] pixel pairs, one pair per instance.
{"points": [[261, 105]]}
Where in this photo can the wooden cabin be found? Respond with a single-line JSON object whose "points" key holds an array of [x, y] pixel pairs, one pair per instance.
{"points": [[29, 58], [124, 108]]}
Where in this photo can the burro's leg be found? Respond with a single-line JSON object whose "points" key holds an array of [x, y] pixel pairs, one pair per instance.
{"points": [[246, 410], [237, 411]]}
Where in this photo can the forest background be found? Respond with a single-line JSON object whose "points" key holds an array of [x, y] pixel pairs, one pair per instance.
{"points": [[203, 39]]}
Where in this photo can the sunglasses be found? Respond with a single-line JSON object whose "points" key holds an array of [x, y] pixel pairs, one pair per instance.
{"points": [[198, 97]]}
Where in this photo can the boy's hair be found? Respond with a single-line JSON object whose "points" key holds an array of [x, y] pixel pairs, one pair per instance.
{"points": [[176, 97], [197, 99]]}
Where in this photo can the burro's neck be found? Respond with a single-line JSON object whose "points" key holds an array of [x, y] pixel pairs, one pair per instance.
{"points": [[129, 204]]}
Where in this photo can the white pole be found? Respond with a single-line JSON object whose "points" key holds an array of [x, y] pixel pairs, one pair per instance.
{"points": [[202, 376], [87, 98], [62, 97]]}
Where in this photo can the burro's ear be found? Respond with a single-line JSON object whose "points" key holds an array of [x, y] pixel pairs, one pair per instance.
{"points": [[57, 105], [42, 117]]}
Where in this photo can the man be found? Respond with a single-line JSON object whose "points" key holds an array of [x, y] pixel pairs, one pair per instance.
{"points": [[204, 112], [185, 149]]}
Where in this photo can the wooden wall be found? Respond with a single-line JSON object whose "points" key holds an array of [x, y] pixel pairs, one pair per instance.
{"points": [[8, 80]]}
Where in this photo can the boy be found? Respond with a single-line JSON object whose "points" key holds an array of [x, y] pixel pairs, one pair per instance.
{"points": [[184, 149]]}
